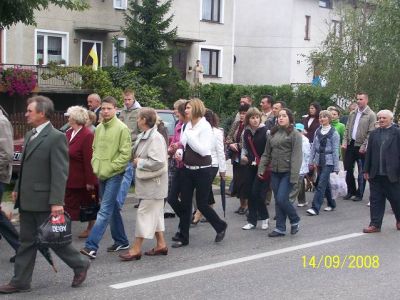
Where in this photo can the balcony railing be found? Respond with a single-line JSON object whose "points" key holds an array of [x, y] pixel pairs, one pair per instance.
{"points": [[69, 83]]}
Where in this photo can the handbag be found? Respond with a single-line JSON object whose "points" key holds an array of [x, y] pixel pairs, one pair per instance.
{"points": [[55, 231], [267, 172], [89, 213]]}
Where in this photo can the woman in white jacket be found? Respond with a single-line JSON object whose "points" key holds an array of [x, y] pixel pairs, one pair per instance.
{"points": [[218, 163]]}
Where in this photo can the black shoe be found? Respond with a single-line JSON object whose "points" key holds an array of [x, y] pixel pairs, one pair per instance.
{"points": [[347, 197], [239, 210], [275, 234], [90, 253], [357, 198], [220, 235], [12, 259], [169, 215], [294, 229], [179, 244], [176, 237], [243, 211], [115, 248]]}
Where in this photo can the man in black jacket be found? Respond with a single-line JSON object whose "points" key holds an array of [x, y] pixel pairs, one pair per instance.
{"points": [[382, 169]]}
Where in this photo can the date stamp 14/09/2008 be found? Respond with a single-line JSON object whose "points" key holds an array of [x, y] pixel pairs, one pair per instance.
{"points": [[341, 262]]}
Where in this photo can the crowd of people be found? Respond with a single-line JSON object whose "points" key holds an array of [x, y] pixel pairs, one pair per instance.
{"points": [[88, 171]]}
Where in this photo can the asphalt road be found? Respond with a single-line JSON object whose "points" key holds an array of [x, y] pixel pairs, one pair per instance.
{"points": [[246, 265]]}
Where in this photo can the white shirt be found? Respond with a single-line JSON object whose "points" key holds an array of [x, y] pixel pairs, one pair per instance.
{"points": [[200, 137], [74, 133], [356, 122], [39, 129], [217, 151]]}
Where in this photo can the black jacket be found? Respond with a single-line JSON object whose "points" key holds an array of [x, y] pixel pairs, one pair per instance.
{"points": [[391, 158]]}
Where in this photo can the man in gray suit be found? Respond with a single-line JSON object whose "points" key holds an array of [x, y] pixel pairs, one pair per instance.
{"points": [[39, 192]]}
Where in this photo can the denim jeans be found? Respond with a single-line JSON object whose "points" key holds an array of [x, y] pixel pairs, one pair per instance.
{"points": [[126, 184], [109, 213], [281, 186], [323, 189]]}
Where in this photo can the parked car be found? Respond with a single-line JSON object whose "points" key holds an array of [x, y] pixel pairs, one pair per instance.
{"points": [[167, 116]]}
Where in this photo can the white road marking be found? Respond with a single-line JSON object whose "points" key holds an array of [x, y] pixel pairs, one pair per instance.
{"points": [[222, 264]]}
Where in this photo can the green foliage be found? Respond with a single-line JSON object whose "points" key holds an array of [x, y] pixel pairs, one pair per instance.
{"points": [[14, 11], [366, 57], [305, 94], [150, 45]]}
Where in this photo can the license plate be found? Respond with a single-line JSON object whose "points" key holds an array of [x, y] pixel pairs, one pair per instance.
{"points": [[17, 155]]}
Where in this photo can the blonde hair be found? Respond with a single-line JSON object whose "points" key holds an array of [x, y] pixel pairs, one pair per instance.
{"points": [[79, 114], [198, 108], [179, 102], [327, 114]]}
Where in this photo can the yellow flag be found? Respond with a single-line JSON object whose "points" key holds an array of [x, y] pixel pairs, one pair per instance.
{"points": [[93, 55]]}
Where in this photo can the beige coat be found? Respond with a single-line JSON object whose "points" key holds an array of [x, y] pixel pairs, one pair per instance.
{"points": [[151, 149], [6, 149]]}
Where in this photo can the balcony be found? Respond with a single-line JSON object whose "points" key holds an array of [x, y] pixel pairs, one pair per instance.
{"points": [[68, 85]]}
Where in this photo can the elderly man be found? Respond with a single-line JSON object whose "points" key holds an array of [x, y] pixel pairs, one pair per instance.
{"points": [[382, 169], [94, 103], [40, 191], [359, 125]]}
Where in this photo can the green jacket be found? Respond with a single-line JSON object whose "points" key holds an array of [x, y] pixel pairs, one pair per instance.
{"points": [[284, 152], [111, 148], [340, 128]]}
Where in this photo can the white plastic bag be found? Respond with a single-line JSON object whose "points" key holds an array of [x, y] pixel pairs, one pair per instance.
{"points": [[338, 184]]}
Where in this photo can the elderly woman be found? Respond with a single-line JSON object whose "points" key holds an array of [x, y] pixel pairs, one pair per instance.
{"points": [[197, 140], [324, 156], [82, 184], [151, 178], [284, 152]]}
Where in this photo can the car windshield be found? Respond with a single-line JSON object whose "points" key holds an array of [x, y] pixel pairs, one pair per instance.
{"points": [[169, 121]]}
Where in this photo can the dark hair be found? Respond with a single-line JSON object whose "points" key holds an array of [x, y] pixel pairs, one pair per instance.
{"points": [[110, 99], [211, 118], [317, 108], [149, 114], [362, 93], [269, 97], [248, 97], [43, 105], [290, 128], [244, 107], [253, 111], [282, 103]]}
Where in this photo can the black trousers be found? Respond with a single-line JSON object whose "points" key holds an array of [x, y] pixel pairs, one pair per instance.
{"points": [[213, 172], [26, 254], [257, 208], [174, 192], [380, 190], [198, 180], [351, 158]]}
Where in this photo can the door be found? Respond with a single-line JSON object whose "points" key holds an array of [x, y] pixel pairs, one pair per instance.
{"points": [[86, 46], [179, 61]]}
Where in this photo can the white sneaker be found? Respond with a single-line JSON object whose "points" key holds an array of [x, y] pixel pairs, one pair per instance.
{"points": [[264, 224], [311, 212], [248, 226], [328, 208], [302, 204], [369, 204]]}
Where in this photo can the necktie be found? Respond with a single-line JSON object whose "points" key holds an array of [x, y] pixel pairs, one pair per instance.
{"points": [[34, 131]]}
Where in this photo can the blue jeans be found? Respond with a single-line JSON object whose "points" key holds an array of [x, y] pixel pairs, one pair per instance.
{"points": [[323, 189], [281, 186], [126, 184], [109, 213]]}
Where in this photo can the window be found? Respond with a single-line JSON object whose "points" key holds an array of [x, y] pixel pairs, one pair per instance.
{"points": [[51, 47], [120, 4], [325, 3], [86, 46], [118, 55], [210, 59], [307, 28], [211, 10]]}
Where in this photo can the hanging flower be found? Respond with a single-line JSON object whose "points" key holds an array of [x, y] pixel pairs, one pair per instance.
{"points": [[18, 80]]}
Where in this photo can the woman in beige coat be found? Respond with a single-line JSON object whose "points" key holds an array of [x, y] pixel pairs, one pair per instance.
{"points": [[151, 185]]}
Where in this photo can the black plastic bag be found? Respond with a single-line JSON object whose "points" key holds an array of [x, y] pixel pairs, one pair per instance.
{"points": [[55, 231]]}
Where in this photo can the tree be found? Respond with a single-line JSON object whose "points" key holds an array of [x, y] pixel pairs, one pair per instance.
{"points": [[150, 42], [366, 55], [14, 11]]}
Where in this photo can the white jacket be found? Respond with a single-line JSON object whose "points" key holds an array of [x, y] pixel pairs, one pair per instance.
{"points": [[306, 147], [200, 137], [217, 151]]}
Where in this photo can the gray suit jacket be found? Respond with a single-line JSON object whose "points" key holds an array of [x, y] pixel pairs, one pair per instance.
{"points": [[44, 171]]}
